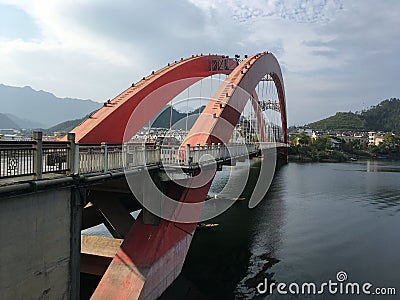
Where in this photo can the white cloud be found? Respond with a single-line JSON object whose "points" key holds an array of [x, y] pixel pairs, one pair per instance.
{"points": [[332, 54]]}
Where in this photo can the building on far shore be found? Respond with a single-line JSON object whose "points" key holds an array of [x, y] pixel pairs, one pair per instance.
{"points": [[374, 138], [350, 136]]}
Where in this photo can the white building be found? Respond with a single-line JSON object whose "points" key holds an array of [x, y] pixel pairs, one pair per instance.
{"points": [[374, 138]]}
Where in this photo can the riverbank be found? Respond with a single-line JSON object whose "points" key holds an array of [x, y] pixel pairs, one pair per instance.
{"points": [[305, 154]]}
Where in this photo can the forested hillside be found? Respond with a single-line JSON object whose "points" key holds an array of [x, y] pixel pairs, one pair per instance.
{"points": [[384, 117]]}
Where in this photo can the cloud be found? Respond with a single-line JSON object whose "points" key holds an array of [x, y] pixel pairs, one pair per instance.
{"points": [[15, 23], [334, 55], [301, 11]]}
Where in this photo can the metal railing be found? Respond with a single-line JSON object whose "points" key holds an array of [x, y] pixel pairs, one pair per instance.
{"points": [[16, 159], [203, 153], [98, 158], [106, 157], [55, 156], [33, 158], [37, 158]]}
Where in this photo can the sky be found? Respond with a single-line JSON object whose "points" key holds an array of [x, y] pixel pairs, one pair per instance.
{"points": [[335, 55]]}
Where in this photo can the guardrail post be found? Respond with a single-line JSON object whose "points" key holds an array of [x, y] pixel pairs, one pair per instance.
{"points": [[187, 154], [77, 163], [72, 153], [124, 155], [37, 155], [198, 153], [158, 158], [171, 154], [104, 150], [213, 151]]}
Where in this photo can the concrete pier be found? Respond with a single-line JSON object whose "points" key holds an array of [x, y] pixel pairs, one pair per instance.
{"points": [[40, 245]]}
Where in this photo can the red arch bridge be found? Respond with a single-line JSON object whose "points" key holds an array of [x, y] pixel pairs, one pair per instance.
{"points": [[117, 161]]}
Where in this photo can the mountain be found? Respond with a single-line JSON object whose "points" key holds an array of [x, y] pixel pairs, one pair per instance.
{"points": [[66, 126], [341, 121], [7, 123], [24, 123], [383, 117], [40, 107], [161, 121]]}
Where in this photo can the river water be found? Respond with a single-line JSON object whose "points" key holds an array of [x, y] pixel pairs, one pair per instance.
{"points": [[317, 219]]}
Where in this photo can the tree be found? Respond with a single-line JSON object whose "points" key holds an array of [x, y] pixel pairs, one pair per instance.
{"points": [[304, 139], [388, 144], [321, 143], [295, 140]]}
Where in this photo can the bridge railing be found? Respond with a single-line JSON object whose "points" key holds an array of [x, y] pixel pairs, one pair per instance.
{"points": [[16, 159], [141, 155], [109, 157], [38, 159], [34, 158], [55, 157], [203, 153]]}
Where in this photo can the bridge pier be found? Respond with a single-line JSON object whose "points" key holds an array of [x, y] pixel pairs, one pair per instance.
{"points": [[40, 244]]}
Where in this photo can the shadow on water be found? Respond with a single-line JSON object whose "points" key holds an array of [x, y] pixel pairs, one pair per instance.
{"points": [[228, 261]]}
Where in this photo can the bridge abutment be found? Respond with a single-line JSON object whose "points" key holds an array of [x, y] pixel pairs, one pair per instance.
{"points": [[40, 253]]}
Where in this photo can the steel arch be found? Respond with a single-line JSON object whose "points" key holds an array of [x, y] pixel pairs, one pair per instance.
{"points": [[109, 122], [230, 99]]}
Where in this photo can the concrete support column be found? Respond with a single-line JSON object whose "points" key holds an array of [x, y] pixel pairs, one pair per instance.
{"points": [[39, 250], [75, 241]]}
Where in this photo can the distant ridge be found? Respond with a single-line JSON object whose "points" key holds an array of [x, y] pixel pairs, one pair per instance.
{"points": [[341, 121], [65, 127], [7, 123], [40, 107], [382, 117], [161, 121], [24, 123]]}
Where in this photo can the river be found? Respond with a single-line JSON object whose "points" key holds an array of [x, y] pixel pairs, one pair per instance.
{"points": [[317, 219]]}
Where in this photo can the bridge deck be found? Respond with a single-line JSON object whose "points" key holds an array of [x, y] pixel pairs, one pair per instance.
{"points": [[26, 161]]}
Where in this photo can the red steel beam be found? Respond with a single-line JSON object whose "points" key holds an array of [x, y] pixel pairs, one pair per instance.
{"points": [[232, 96], [151, 257], [108, 124]]}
